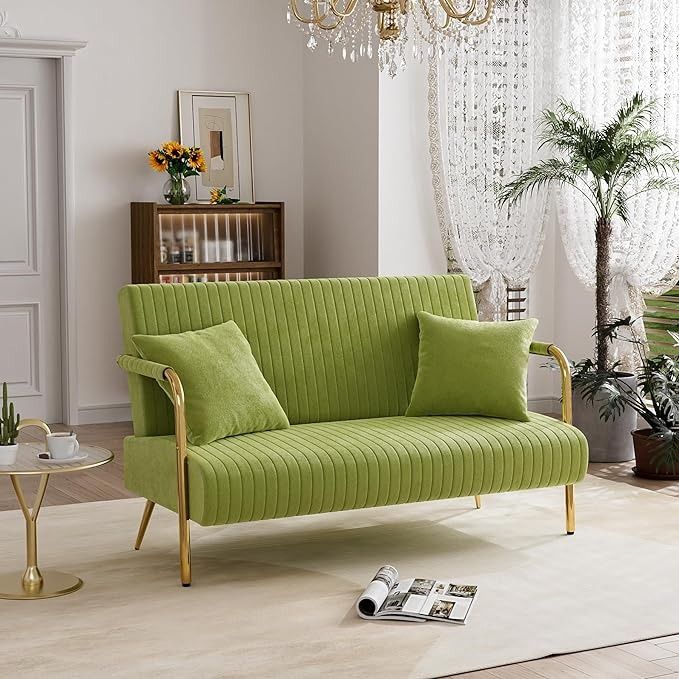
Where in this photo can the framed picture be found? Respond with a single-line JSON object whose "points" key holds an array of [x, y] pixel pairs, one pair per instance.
{"points": [[219, 122]]}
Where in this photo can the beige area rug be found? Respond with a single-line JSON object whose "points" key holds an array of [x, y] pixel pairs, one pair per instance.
{"points": [[275, 599]]}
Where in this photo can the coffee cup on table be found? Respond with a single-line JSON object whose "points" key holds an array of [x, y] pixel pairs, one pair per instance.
{"points": [[62, 445]]}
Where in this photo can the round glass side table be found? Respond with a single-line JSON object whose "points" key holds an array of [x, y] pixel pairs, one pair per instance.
{"points": [[34, 583]]}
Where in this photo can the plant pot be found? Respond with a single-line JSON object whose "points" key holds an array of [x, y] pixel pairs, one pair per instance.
{"points": [[8, 454], [645, 451], [608, 441]]}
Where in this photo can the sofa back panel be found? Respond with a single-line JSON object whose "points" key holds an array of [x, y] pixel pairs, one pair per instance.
{"points": [[331, 349]]}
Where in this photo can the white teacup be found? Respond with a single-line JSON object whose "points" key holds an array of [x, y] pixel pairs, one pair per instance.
{"points": [[62, 445]]}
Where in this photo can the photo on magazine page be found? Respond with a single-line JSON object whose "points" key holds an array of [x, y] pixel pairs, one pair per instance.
{"points": [[442, 609]]}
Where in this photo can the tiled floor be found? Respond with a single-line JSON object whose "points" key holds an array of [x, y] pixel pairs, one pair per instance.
{"points": [[657, 658]]}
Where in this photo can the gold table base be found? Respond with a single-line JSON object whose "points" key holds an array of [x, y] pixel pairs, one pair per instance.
{"points": [[54, 583], [32, 583]]}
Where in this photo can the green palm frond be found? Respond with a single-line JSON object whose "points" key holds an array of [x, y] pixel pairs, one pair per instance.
{"points": [[567, 110], [601, 163], [633, 117], [660, 163], [567, 130], [619, 204], [539, 176], [657, 184]]}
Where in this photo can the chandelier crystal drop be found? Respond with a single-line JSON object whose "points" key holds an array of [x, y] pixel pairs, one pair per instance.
{"points": [[361, 28]]}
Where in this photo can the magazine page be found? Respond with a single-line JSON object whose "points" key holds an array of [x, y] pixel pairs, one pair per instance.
{"points": [[428, 599], [452, 604], [377, 591]]}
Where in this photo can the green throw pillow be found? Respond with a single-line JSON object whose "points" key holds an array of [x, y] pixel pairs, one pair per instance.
{"points": [[472, 368], [225, 391]]}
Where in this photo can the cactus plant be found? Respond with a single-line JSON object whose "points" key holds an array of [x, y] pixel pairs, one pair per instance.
{"points": [[9, 423]]}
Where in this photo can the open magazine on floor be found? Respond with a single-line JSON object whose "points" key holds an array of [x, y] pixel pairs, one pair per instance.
{"points": [[416, 599]]}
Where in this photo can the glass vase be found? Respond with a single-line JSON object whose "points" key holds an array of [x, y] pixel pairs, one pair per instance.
{"points": [[176, 190]]}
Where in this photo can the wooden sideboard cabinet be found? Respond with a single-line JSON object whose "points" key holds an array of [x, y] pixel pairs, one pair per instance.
{"points": [[200, 243]]}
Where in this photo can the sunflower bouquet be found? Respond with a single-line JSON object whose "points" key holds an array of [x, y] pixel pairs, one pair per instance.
{"points": [[221, 197], [179, 162]]}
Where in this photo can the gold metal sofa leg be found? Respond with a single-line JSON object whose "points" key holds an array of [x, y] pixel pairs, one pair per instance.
{"points": [[570, 510], [185, 553], [182, 477], [477, 500], [145, 518], [566, 416]]}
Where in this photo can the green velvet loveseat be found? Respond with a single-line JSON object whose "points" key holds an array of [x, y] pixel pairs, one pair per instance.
{"points": [[341, 356]]}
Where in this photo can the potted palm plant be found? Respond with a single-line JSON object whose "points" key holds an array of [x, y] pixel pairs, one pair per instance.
{"points": [[9, 429], [655, 400], [609, 166]]}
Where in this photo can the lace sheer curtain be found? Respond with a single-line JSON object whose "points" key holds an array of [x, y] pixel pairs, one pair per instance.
{"points": [[607, 51], [484, 98]]}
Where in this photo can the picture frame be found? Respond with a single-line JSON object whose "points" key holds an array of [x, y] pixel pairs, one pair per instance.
{"points": [[220, 124]]}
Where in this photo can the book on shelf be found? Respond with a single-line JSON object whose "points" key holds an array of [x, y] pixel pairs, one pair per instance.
{"points": [[387, 597]]}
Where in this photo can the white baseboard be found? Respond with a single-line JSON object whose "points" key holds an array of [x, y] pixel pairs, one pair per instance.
{"points": [[545, 404], [101, 414]]}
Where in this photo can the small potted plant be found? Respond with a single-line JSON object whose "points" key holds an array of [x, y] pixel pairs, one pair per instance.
{"points": [[179, 162], [655, 400], [9, 429]]}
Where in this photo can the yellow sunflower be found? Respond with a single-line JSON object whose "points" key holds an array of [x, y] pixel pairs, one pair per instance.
{"points": [[215, 196], [197, 160], [157, 161], [173, 149]]}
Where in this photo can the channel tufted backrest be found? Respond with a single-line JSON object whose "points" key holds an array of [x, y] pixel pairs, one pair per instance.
{"points": [[331, 349]]}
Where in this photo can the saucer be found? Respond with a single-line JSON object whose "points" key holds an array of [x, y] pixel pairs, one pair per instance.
{"points": [[66, 460]]}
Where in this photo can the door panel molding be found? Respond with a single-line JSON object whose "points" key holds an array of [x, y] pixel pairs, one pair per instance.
{"points": [[22, 322], [63, 52], [28, 263]]}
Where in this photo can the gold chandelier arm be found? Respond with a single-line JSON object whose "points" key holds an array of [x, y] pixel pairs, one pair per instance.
{"points": [[318, 19], [315, 17], [298, 14], [451, 11], [350, 6]]}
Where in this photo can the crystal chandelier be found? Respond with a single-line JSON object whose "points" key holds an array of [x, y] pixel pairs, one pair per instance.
{"points": [[351, 27]]}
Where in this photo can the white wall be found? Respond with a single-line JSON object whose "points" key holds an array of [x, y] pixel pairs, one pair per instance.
{"points": [[341, 123], [409, 237], [543, 384], [575, 310], [139, 54]]}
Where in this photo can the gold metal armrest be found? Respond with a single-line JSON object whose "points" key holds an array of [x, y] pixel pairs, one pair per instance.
{"points": [[566, 413], [566, 385], [182, 476], [545, 349]]}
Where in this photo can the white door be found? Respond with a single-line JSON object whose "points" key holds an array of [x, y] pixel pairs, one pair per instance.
{"points": [[30, 332]]}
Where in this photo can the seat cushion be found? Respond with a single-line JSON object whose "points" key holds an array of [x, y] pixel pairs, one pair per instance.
{"points": [[331, 466]]}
